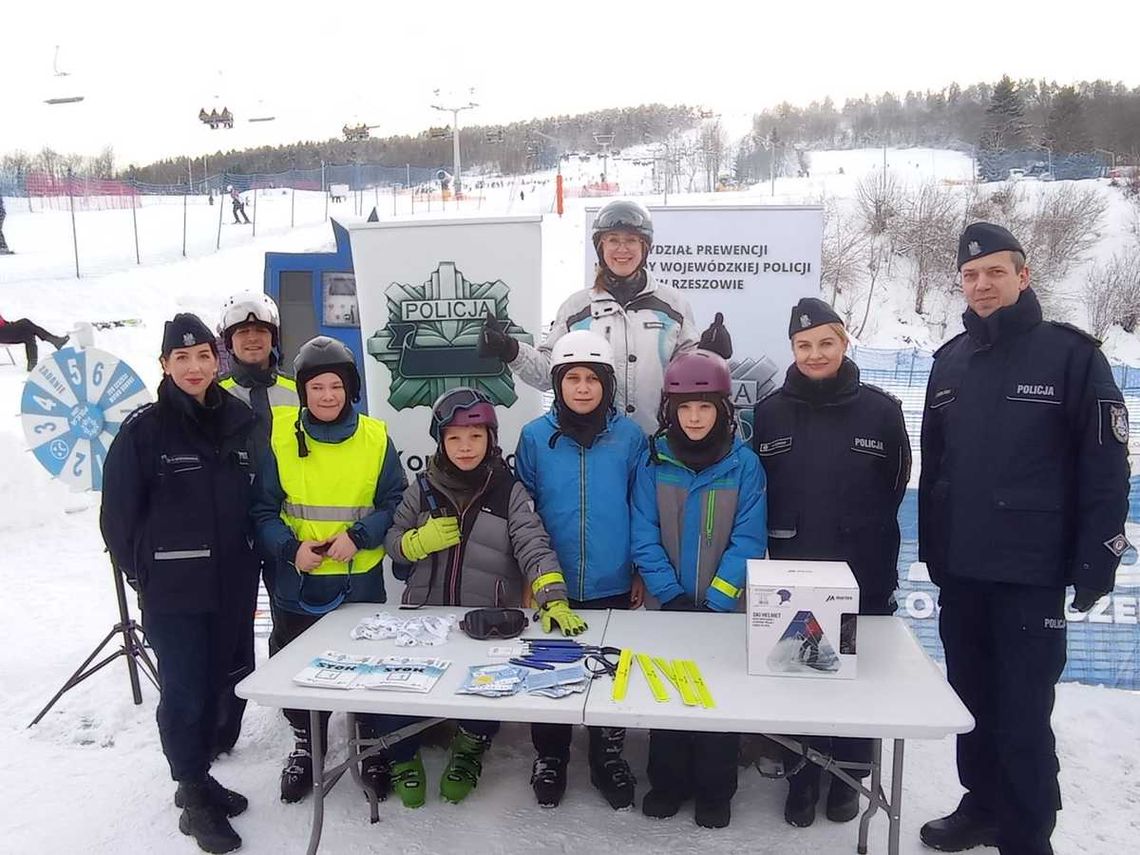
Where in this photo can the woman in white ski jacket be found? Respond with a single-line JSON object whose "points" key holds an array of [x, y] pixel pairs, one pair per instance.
{"points": [[646, 323]]}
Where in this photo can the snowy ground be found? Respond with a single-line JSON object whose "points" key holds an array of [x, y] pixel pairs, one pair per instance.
{"points": [[91, 776]]}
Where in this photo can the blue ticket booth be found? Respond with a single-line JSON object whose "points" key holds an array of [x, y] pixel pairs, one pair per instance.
{"points": [[316, 293]]}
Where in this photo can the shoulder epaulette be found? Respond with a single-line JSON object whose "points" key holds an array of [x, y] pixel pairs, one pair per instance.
{"points": [[872, 387], [1075, 329], [948, 343], [771, 394], [136, 414]]}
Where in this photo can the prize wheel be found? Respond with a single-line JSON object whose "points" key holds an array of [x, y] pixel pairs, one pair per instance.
{"points": [[73, 405]]}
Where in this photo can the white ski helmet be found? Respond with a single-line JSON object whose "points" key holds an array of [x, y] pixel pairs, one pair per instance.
{"points": [[582, 346], [246, 306]]}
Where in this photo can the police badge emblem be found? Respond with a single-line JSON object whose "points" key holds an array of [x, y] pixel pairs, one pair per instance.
{"points": [[431, 341], [805, 322], [974, 248], [188, 339], [1118, 420]]}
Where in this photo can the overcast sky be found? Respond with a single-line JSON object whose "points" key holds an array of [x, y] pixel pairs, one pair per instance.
{"points": [[145, 68]]}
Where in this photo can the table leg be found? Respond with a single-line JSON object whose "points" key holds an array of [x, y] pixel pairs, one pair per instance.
{"points": [[318, 781], [875, 794], [895, 808]]}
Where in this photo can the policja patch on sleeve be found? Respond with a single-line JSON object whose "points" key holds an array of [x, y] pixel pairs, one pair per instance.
{"points": [[1118, 421]]}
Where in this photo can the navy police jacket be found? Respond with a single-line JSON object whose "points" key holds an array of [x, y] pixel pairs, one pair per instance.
{"points": [[1024, 455], [176, 496], [837, 457]]}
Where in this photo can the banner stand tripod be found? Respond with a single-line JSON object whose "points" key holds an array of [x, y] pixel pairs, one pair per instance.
{"points": [[131, 647]]}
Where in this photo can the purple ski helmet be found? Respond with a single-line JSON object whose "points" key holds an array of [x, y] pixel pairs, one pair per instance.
{"points": [[462, 406], [696, 372]]}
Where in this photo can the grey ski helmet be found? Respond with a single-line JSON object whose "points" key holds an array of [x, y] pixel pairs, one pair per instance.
{"points": [[622, 215]]}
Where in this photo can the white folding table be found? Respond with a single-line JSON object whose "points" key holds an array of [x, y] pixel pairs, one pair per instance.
{"points": [[898, 694], [272, 685]]}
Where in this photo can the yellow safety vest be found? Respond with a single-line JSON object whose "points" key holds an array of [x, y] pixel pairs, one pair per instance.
{"points": [[282, 395], [326, 492]]}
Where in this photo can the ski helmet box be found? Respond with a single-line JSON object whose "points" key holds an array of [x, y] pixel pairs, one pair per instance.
{"points": [[802, 619]]}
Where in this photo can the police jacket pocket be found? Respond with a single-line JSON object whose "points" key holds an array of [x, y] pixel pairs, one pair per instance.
{"points": [[1021, 499]]}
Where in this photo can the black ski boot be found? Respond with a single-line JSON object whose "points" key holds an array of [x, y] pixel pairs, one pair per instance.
{"points": [[548, 780], [376, 773], [204, 821], [231, 802], [713, 814], [661, 804], [803, 793], [608, 770], [297, 776], [59, 341], [842, 802], [964, 829]]}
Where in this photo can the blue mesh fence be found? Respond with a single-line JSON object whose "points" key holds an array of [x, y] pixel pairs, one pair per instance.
{"points": [[1104, 645]]}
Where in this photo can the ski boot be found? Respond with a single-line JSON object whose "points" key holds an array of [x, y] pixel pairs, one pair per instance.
{"points": [[409, 781], [297, 776], [842, 802], [548, 780], [609, 772], [60, 341], [376, 773], [803, 793], [464, 765]]}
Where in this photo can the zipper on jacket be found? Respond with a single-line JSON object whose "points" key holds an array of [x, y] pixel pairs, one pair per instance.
{"points": [[709, 511], [456, 564], [581, 524]]}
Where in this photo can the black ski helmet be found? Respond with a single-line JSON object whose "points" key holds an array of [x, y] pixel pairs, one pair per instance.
{"points": [[323, 354], [623, 215]]}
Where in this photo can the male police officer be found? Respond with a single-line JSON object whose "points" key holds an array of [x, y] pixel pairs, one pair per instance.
{"points": [[250, 327], [1023, 490]]}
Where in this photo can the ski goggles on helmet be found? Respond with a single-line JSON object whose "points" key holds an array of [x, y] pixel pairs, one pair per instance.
{"points": [[248, 308], [481, 624], [462, 406]]}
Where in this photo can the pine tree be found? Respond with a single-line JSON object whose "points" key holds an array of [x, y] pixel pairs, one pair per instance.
{"points": [[1066, 130], [1004, 126]]}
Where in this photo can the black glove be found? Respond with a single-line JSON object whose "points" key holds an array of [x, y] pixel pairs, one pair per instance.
{"points": [[1084, 599], [680, 603], [716, 338], [494, 341]]}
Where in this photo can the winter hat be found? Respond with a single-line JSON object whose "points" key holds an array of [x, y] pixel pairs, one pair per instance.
{"points": [[186, 330], [809, 313], [983, 239]]}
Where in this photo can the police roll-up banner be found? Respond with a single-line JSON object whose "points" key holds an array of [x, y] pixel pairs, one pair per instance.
{"points": [[73, 404], [424, 289], [752, 263]]}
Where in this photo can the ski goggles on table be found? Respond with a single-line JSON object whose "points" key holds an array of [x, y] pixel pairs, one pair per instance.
{"points": [[481, 624]]}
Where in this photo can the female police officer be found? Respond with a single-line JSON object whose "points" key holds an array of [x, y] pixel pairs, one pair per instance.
{"points": [[837, 457], [175, 517]]}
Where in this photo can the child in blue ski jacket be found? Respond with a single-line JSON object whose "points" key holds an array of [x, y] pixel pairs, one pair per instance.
{"points": [[699, 514], [578, 462]]}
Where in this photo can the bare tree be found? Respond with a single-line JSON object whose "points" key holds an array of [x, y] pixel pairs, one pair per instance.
{"points": [[714, 143], [842, 262], [877, 256], [926, 232], [1112, 294], [1061, 230], [880, 195]]}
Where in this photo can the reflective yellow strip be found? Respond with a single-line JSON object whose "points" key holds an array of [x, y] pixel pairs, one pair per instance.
{"points": [[665, 668], [694, 674], [547, 579], [688, 693], [655, 685], [728, 590], [621, 679], [325, 513]]}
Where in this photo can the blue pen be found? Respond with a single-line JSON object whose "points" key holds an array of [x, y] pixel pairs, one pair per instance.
{"points": [[532, 663]]}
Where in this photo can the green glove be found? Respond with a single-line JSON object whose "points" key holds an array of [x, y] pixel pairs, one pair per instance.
{"points": [[558, 612], [437, 534]]}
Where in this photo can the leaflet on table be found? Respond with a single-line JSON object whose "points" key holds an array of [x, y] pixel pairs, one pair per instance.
{"points": [[334, 670], [495, 681]]}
